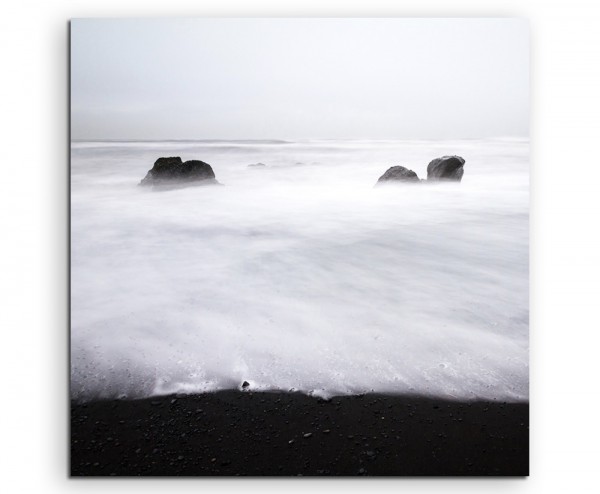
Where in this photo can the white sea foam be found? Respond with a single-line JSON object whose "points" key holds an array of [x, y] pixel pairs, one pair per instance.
{"points": [[300, 274]]}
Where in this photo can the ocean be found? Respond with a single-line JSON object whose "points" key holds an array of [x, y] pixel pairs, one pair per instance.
{"points": [[301, 275]]}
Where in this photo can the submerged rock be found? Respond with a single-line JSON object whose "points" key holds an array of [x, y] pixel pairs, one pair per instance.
{"points": [[172, 171], [448, 168], [398, 174]]}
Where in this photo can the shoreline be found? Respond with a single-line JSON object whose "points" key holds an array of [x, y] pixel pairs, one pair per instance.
{"points": [[229, 433]]}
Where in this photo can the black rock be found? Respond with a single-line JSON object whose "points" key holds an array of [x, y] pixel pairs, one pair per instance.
{"points": [[448, 168], [172, 171], [398, 174], [245, 384]]}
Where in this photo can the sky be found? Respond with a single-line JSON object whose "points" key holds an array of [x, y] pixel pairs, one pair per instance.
{"points": [[299, 78]]}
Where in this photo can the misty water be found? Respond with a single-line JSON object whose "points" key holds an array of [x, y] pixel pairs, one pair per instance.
{"points": [[300, 274]]}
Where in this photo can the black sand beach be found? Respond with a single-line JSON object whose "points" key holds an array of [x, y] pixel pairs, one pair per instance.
{"points": [[248, 433]]}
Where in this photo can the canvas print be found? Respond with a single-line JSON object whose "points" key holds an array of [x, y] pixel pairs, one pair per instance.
{"points": [[299, 247]]}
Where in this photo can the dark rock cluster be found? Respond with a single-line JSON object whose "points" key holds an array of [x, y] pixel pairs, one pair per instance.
{"points": [[173, 171], [446, 168]]}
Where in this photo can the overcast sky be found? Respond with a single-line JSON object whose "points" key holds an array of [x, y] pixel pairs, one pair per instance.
{"points": [[299, 78]]}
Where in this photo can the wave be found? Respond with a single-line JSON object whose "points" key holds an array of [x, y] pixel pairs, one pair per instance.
{"points": [[301, 277]]}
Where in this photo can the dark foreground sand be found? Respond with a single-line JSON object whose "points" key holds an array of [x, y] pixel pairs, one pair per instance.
{"points": [[246, 433]]}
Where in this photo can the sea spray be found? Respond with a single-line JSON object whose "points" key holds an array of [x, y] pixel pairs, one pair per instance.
{"points": [[300, 275]]}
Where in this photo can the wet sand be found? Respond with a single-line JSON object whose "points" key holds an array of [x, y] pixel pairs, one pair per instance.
{"points": [[248, 433]]}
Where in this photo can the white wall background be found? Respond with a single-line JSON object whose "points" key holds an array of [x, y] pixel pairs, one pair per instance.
{"points": [[565, 241]]}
